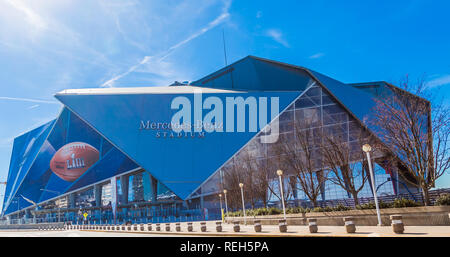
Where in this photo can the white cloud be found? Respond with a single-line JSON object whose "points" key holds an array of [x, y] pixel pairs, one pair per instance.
{"points": [[277, 35], [317, 56], [437, 82], [157, 61], [32, 17], [33, 106]]}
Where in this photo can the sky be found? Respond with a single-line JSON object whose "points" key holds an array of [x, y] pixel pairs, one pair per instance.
{"points": [[50, 45]]}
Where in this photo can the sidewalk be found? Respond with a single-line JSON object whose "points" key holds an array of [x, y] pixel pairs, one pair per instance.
{"points": [[296, 231]]}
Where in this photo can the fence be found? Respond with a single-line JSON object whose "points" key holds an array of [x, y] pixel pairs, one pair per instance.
{"points": [[349, 202]]}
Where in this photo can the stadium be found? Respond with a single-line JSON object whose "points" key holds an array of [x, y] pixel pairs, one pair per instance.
{"points": [[117, 154]]}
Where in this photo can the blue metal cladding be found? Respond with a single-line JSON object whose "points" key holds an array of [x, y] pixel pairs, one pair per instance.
{"points": [[358, 102], [25, 151], [252, 73], [182, 164], [40, 183]]}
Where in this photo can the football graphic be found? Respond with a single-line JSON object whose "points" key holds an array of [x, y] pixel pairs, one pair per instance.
{"points": [[73, 159]]}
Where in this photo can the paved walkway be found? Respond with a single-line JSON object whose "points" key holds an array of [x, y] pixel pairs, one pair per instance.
{"points": [[294, 231]]}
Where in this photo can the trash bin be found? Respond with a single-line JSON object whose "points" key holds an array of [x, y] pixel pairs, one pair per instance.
{"points": [[236, 227], [203, 226], [350, 224], [312, 224], [218, 226], [282, 225], [397, 224], [257, 224]]}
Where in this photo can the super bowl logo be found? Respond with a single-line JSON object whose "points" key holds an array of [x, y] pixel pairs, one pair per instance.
{"points": [[73, 160]]}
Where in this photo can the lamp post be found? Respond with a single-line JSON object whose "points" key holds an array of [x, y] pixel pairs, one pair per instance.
{"points": [[367, 148], [226, 204], [280, 173], [243, 204], [221, 209]]}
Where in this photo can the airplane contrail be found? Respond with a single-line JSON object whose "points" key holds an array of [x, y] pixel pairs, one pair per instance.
{"points": [[28, 100]]}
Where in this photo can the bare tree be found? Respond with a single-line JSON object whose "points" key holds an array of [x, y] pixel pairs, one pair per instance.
{"points": [[262, 179], [416, 131], [299, 151], [346, 162], [246, 169], [249, 177], [231, 182]]}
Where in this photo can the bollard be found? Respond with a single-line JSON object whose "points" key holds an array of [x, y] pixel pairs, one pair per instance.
{"points": [[178, 227], [190, 228], [236, 227], [349, 224], [149, 226], [397, 224], [218, 226], [135, 227], [282, 225], [312, 223], [158, 228], [203, 226], [142, 226], [257, 224], [167, 227]]}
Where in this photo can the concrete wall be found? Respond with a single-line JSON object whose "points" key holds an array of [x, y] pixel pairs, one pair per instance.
{"points": [[413, 216]]}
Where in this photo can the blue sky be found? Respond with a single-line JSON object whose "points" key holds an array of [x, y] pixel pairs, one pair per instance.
{"points": [[50, 45]]}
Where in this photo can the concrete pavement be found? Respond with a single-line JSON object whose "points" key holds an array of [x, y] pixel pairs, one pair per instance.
{"points": [[293, 231]]}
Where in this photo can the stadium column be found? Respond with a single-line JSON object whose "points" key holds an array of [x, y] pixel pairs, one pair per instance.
{"points": [[124, 186], [153, 188], [98, 200], [98, 195], [71, 200], [124, 181], [27, 214]]}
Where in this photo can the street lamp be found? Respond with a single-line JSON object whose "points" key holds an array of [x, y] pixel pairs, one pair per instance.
{"points": [[243, 204], [280, 173], [221, 209], [367, 148], [226, 204]]}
